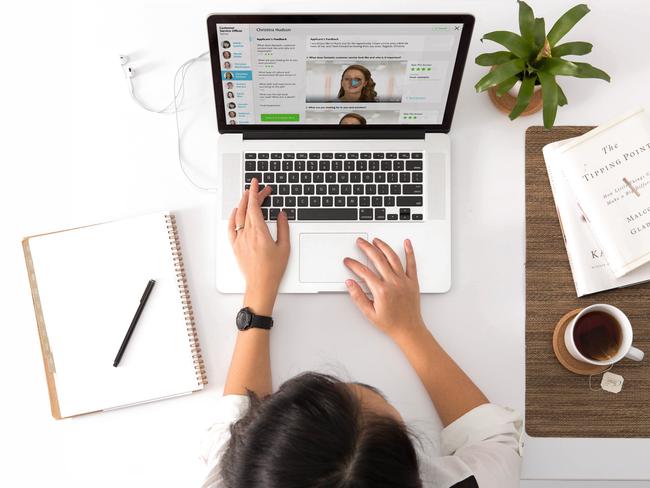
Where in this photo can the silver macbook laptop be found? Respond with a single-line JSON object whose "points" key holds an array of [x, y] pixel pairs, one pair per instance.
{"points": [[347, 118]]}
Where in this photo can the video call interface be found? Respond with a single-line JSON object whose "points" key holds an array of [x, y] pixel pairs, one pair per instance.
{"points": [[339, 74]]}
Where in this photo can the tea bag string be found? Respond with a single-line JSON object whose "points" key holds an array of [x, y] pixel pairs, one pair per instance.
{"points": [[601, 373]]}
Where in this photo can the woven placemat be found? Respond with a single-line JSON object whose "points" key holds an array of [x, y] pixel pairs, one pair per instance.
{"points": [[559, 403]]}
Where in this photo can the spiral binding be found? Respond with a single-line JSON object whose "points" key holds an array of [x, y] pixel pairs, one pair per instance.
{"points": [[181, 280]]}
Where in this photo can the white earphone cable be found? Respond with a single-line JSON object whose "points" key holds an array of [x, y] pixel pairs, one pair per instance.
{"points": [[184, 68], [171, 108]]}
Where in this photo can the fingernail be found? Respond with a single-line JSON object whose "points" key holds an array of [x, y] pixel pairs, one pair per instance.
{"points": [[348, 283], [408, 243]]}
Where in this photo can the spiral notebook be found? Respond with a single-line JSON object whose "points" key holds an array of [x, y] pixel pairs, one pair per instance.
{"points": [[86, 285]]}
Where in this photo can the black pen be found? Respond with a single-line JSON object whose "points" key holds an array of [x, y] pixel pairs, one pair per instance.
{"points": [[138, 312]]}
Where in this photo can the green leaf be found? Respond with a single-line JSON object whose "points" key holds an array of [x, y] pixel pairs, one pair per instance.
{"points": [[515, 43], [577, 48], [492, 59], [562, 67], [523, 99], [526, 21], [565, 23], [550, 96], [501, 73], [561, 98], [504, 86], [539, 35]]}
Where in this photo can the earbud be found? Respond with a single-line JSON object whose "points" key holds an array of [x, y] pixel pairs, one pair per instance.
{"points": [[126, 67]]}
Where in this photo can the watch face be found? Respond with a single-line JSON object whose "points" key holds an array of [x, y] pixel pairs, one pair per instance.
{"points": [[244, 318]]}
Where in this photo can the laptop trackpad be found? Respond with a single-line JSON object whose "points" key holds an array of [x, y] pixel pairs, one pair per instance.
{"points": [[321, 256]]}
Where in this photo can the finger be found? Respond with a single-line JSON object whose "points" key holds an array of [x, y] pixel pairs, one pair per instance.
{"points": [[240, 216], [253, 211], [360, 299], [411, 268], [362, 271], [377, 257], [391, 256], [232, 233], [264, 194], [283, 229]]}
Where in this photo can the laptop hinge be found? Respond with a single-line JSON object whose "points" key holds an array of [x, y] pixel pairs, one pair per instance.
{"points": [[334, 134]]}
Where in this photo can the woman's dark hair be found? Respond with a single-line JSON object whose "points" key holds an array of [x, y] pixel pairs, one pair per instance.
{"points": [[368, 92], [360, 118], [313, 433]]}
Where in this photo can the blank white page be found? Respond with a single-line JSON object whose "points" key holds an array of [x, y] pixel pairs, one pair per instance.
{"points": [[90, 282]]}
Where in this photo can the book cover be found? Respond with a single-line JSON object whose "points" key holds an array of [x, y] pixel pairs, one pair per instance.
{"points": [[608, 170], [589, 266]]}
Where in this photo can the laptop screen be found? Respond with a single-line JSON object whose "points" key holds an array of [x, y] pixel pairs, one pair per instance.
{"points": [[334, 74]]}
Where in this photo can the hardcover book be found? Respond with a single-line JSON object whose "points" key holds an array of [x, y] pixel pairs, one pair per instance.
{"points": [[608, 170], [589, 266]]}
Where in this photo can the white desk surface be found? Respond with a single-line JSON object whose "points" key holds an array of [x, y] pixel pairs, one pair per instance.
{"points": [[76, 149]]}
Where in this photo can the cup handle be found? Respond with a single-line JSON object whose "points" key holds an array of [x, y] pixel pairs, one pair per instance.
{"points": [[635, 354]]}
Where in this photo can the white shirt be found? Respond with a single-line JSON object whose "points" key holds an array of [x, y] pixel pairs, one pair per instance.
{"points": [[484, 443]]}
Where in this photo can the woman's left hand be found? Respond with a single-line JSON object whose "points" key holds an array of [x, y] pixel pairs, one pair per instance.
{"points": [[261, 259]]}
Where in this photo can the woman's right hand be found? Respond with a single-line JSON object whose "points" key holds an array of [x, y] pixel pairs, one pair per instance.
{"points": [[395, 304]]}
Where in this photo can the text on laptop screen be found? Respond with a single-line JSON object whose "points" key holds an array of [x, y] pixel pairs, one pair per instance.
{"points": [[336, 73]]}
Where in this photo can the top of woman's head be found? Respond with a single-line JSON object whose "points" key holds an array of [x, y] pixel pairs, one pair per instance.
{"points": [[353, 119], [316, 432]]}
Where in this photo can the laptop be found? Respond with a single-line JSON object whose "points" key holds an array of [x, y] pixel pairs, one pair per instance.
{"points": [[347, 118]]}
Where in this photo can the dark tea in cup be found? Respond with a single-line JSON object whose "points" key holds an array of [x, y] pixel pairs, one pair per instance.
{"points": [[597, 335]]}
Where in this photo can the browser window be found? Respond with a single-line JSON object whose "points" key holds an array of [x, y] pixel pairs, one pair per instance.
{"points": [[339, 74]]}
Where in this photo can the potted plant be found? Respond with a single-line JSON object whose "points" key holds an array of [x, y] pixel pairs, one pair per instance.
{"points": [[534, 58]]}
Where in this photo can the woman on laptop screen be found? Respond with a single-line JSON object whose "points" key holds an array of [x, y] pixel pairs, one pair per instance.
{"points": [[319, 431], [357, 85]]}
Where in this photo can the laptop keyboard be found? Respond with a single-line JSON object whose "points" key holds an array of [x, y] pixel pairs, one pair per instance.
{"points": [[378, 186]]}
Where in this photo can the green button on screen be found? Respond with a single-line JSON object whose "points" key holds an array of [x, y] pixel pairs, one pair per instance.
{"points": [[280, 117]]}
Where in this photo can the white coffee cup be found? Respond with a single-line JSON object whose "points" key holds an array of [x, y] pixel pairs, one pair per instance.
{"points": [[625, 350]]}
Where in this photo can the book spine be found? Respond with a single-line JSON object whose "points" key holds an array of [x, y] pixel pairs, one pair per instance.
{"points": [[181, 280]]}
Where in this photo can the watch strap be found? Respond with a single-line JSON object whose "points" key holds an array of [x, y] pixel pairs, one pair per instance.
{"points": [[261, 322]]}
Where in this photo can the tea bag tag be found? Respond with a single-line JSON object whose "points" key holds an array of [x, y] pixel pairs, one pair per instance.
{"points": [[611, 382]]}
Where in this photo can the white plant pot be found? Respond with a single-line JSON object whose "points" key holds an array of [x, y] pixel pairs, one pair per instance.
{"points": [[514, 91]]}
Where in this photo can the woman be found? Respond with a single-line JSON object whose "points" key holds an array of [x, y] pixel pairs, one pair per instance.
{"points": [[357, 85], [352, 119], [317, 431]]}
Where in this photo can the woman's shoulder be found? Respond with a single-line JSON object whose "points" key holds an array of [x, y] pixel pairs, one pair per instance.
{"points": [[484, 444], [228, 410]]}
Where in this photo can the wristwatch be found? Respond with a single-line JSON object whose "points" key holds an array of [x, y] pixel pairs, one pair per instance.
{"points": [[246, 319]]}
